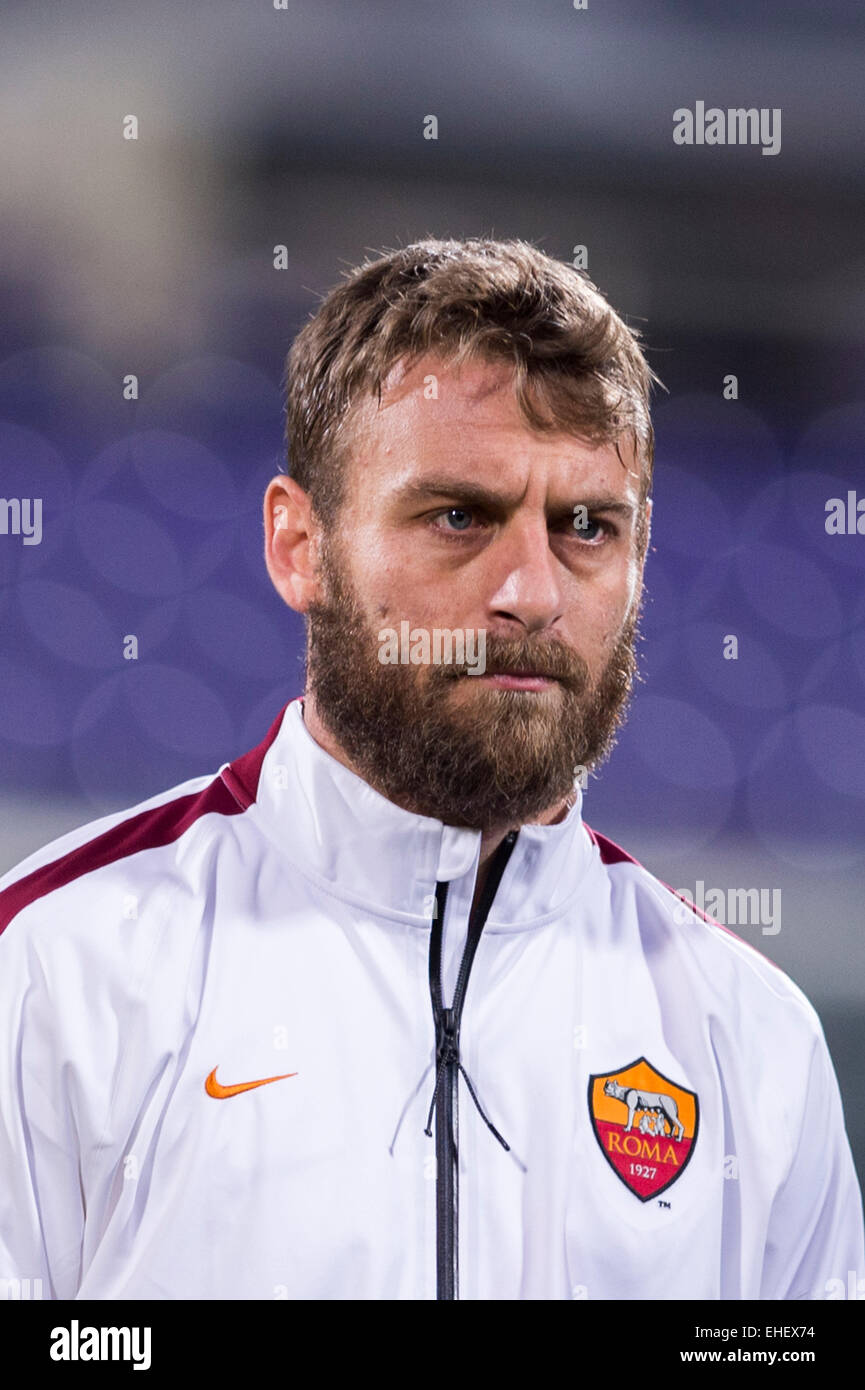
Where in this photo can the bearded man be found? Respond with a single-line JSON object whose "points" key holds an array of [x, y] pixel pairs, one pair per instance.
{"points": [[390, 1021]]}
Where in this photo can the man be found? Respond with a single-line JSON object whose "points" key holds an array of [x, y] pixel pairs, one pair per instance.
{"points": [[372, 1014]]}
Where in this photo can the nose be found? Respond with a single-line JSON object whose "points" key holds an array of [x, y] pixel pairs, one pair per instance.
{"points": [[526, 576]]}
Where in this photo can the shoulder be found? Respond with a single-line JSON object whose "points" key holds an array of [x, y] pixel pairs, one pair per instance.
{"points": [[725, 973], [86, 921], [145, 850]]}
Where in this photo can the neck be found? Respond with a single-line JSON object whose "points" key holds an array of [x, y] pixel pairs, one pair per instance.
{"points": [[490, 839]]}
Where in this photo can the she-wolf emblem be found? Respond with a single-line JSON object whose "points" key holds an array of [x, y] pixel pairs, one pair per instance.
{"points": [[662, 1106]]}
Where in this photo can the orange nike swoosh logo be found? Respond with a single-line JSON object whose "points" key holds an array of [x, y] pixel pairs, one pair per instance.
{"points": [[219, 1092]]}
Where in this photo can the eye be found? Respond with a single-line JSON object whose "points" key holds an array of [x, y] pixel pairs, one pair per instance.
{"points": [[457, 518], [589, 529]]}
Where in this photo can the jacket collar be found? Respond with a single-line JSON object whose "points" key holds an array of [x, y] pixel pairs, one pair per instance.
{"points": [[355, 844]]}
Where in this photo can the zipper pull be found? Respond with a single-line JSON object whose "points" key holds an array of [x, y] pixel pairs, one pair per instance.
{"points": [[447, 1048]]}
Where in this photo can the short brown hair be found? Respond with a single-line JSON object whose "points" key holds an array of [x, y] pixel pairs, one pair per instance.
{"points": [[577, 366]]}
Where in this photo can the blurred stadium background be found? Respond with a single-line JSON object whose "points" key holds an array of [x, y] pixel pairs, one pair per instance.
{"points": [[304, 128]]}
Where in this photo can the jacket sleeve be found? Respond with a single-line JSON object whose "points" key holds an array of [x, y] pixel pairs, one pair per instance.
{"points": [[41, 1206], [815, 1246]]}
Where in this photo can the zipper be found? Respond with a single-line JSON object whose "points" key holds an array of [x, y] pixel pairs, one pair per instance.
{"points": [[448, 1067]]}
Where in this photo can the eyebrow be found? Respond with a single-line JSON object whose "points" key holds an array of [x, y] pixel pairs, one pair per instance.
{"points": [[486, 497]]}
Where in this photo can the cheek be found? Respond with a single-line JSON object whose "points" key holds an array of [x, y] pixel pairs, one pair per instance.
{"points": [[634, 580], [621, 593], [398, 592], [600, 630], [377, 578]]}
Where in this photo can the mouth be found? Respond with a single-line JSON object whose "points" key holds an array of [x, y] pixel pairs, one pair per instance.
{"points": [[518, 680]]}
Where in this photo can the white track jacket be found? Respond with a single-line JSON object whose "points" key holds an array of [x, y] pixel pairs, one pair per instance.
{"points": [[220, 1038]]}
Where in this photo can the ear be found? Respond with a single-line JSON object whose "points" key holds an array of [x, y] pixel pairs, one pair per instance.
{"points": [[291, 543]]}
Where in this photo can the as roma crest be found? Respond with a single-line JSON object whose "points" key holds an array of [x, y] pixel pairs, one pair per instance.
{"points": [[646, 1125]]}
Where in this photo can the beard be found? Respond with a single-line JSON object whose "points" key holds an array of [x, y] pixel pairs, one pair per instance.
{"points": [[482, 758]]}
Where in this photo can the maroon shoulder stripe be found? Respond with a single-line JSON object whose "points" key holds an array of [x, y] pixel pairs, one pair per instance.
{"points": [[229, 794], [243, 775]]}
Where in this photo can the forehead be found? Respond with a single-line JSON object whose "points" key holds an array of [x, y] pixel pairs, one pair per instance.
{"points": [[466, 423]]}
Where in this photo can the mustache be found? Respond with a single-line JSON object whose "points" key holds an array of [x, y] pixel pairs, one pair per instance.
{"points": [[523, 656]]}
